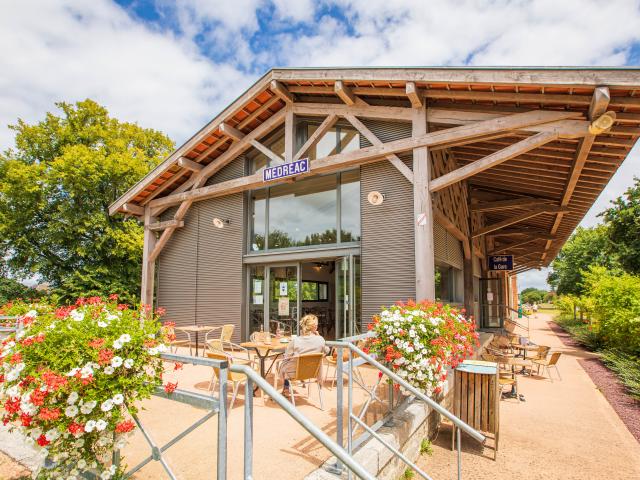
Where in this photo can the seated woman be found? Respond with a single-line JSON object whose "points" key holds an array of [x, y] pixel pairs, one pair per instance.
{"points": [[309, 341]]}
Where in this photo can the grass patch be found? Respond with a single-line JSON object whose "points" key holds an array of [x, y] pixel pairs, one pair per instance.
{"points": [[408, 474], [426, 448]]}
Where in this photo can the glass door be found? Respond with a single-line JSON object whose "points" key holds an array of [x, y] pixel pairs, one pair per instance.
{"points": [[492, 302], [347, 296], [283, 299]]}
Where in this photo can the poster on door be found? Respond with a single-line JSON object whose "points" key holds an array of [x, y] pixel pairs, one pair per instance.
{"points": [[283, 289], [283, 306]]}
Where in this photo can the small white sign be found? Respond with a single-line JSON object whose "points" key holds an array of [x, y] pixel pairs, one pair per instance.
{"points": [[283, 289], [421, 219], [258, 300], [257, 286], [283, 306], [489, 296]]}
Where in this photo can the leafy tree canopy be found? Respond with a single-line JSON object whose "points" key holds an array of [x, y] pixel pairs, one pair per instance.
{"points": [[55, 189], [11, 289], [533, 295], [623, 220], [585, 248]]}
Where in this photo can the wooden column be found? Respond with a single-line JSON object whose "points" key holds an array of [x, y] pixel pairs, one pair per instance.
{"points": [[148, 265], [424, 250], [467, 266], [289, 134]]}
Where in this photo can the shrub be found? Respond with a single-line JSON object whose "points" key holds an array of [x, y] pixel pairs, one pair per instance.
{"points": [[420, 341], [69, 377], [426, 447]]}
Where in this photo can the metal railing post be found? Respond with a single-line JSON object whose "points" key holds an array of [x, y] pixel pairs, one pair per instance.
{"points": [[248, 429], [350, 410], [459, 455], [337, 467], [222, 423]]}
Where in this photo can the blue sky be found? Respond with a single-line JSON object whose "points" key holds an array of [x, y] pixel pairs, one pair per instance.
{"points": [[174, 65]]}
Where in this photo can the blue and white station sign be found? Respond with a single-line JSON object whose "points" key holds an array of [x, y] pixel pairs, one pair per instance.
{"points": [[285, 170], [502, 263]]}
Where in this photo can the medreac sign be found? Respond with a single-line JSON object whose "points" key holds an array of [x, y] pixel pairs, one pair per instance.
{"points": [[285, 170]]}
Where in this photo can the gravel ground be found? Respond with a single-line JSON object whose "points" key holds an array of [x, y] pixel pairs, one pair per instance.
{"points": [[627, 408]]}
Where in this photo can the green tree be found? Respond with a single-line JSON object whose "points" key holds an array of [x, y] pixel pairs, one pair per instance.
{"points": [[11, 289], [585, 248], [623, 221], [55, 189], [532, 295]]}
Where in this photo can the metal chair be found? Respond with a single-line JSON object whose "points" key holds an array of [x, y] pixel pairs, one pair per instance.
{"points": [[174, 343], [308, 370], [547, 363], [218, 344], [235, 378]]}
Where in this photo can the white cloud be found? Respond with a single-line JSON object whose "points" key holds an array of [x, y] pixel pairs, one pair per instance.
{"points": [[74, 50]]}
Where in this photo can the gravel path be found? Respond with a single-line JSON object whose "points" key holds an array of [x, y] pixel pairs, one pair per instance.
{"points": [[627, 408]]}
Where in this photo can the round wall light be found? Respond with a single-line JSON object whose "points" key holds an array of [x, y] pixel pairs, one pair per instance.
{"points": [[219, 223], [375, 198]]}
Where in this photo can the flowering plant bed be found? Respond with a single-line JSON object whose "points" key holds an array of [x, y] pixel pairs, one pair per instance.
{"points": [[69, 377], [421, 340]]}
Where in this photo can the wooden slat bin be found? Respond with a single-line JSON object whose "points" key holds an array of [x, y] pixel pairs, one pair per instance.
{"points": [[476, 399]]}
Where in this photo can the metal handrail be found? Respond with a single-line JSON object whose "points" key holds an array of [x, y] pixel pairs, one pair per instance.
{"points": [[317, 433], [353, 349]]}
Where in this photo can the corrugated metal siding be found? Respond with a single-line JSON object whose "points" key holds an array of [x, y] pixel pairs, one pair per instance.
{"points": [[455, 256], [388, 266], [440, 242], [448, 249], [176, 276], [200, 269]]}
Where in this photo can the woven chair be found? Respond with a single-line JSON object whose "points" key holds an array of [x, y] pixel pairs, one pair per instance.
{"points": [[174, 342], [506, 376], [548, 363], [308, 370], [332, 362], [235, 378], [223, 338], [541, 353]]}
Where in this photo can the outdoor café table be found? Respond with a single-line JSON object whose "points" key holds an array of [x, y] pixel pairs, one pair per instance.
{"points": [[526, 348], [263, 351], [519, 362], [196, 329]]}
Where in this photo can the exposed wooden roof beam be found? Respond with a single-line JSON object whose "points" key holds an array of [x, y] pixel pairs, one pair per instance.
{"points": [[133, 209], [267, 151], [166, 224], [258, 111], [359, 110], [184, 162], [323, 128], [522, 202], [516, 219], [229, 131], [281, 91], [392, 157], [345, 93], [491, 160], [414, 97], [167, 183], [512, 246]]}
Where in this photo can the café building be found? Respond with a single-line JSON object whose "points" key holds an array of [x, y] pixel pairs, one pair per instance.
{"points": [[336, 191]]}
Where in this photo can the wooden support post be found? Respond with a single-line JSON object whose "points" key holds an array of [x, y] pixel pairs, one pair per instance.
{"points": [[467, 266], [148, 265], [289, 134], [424, 249]]}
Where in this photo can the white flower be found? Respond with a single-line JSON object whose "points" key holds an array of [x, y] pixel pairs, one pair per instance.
{"points": [[73, 371], [52, 434], [153, 351], [111, 317], [13, 391], [162, 348], [89, 426], [112, 469], [106, 405], [87, 407], [120, 443], [73, 398], [101, 425], [72, 477], [118, 398], [86, 371], [116, 362], [102, 324], [105, 475], [128, 363], [109, 370], [117, 344], [71, 411], [28, 408], [152, 335], [77, 315], [19, 367], [125, 338]]}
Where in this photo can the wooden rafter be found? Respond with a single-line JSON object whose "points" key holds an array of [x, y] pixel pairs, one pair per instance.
{"points": [[492, 160], [344, 93], [359, 110], [231, 132], [166, 224], [324, 127], [184, 162], [516, 219], [522, 202], [369, 135], [514, 245], [281, 91], [133, 209], [414, 96], [348, 159]]}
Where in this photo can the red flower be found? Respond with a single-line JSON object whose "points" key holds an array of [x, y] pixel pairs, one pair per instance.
{"points": [[42, 441], [81, 301], [170, 387], [177, 366], [122, 306], [113, 296], [25, 419], [169, 324], [94, 300], [53, 381], [96, 342], [125, 427], [37, 397], [87, 381], [161, 311], [49, 414], [150, 342], [15, 358], [75, 428], [105, 356], [12, 406]]}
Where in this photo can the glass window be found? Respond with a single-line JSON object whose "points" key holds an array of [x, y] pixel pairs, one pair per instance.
{"points": [[327, 145], [258, 215], [349, 139], [275, 141], [447, 280], [315, 291], [303, 213], [257, 289], [350, 206]]}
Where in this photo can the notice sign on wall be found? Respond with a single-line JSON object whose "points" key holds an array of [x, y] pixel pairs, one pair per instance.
{"points": [[285, 170], [503, 263]]}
